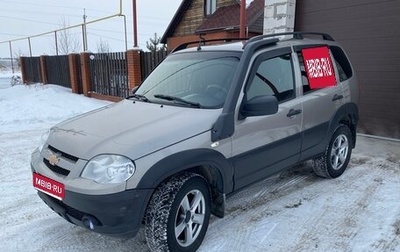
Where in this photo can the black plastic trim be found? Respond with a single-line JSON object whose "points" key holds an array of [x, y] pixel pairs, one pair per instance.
{"points": [[118, 214], [311, 147], [190, 159], [298, 48], [266, 160]]}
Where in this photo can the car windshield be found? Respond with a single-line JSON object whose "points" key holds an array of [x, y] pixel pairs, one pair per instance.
{"points": [[196, 79]]}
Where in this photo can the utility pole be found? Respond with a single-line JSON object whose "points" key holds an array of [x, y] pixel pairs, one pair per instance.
{"points": [[242, 33], [135, 40], [85, 44], [11, 56]]}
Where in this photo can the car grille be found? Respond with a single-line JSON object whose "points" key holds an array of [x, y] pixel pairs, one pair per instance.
{"points": [[55, 168], [63, 154]]}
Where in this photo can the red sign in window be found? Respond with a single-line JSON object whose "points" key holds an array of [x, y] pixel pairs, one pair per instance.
{"points": [[319, 67]]}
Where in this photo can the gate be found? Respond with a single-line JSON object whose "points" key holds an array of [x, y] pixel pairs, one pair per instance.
{"points": [[109, 74], [32, 69], [58, 70], [149, 61]]}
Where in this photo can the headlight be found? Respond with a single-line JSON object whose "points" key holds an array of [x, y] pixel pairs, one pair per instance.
{"points": [[43, 140], [107, 169]]}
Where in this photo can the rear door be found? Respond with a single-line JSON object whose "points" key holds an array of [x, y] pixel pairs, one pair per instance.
{"points": [[322, 95], [263, 145]]}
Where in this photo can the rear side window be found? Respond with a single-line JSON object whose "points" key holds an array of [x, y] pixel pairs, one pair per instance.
{"points": [[342, 63], [318, 64], [339, 59]]}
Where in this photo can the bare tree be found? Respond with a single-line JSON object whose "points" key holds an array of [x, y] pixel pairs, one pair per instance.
{"points": [[67, 41], [103, 46], [17, 57], [154, 44]]}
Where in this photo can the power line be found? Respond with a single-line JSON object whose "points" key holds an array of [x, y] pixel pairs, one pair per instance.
{"points": [[29, 20], [102, 36], [39, 13], [12, 34], [52, 5]]}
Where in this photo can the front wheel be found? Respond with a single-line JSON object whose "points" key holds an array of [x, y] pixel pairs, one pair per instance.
{"points": [[178, 214], [334, 161]]}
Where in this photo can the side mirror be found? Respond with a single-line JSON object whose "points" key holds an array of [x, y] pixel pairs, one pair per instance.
{"points": [[259, 106]]}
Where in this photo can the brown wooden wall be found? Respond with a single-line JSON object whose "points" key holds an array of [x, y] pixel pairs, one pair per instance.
{"points": [[369, 30], [194, 16]]}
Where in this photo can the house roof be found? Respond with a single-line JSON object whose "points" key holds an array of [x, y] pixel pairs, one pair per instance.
{"points": [[175, 20], [229, 18], [223, 18]]}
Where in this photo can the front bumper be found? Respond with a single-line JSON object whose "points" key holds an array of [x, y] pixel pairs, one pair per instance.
{"points": [[118, 214], [112, 211]]}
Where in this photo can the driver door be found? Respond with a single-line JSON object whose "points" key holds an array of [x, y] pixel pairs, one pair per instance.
{"points": [[263, 145]]}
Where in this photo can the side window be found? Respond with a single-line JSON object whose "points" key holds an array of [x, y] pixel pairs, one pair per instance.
{"points": [[273, 76], [342, 63], [339, 59]]}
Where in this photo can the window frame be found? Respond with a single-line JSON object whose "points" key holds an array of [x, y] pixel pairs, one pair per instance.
{"points": [[210, 6], [287, 51]]}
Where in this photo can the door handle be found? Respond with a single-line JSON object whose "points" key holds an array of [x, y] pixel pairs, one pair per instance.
{"points": [[293, 112], [337, 97]]}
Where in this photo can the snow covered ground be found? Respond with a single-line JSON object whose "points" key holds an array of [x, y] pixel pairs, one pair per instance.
{"points": [[294, 211]]}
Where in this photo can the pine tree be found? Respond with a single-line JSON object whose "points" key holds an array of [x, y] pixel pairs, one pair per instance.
{"points": [[153, 45]]}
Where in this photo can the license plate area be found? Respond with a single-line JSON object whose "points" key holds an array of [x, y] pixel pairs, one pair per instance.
{"points": [[49, 186]]}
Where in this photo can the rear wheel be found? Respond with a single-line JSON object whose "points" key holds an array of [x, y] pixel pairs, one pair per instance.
{"points": [[334, 161], [178, 214]]}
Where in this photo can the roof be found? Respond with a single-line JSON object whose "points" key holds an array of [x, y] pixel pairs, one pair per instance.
{"points": [[228, 17], [223, 18], [175, 20]]}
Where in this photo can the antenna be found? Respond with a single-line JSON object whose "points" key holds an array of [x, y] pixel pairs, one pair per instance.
{"points": [[202, 39]]}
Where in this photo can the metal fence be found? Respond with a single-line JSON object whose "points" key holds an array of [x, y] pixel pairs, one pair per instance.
{"points": [[149, 61], [32, 69], [109, 74], [108, 71], [58, 70]]}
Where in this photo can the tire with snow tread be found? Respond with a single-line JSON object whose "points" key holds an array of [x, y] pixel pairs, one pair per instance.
{"points": [[336, 157], [181, 204]]}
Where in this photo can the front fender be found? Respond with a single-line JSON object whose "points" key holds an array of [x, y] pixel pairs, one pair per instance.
{"points": [[189, 159]]}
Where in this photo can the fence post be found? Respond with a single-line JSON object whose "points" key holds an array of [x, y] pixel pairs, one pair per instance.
{"points": [[85, 68], [134, 68], [73, 72], [43, 69]]}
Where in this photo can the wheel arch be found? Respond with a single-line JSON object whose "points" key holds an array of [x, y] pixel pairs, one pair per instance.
{"points": [[346, 115], [212, 165]]}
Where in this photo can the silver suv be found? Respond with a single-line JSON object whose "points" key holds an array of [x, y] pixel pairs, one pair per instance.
{"points": [[209, 120]]}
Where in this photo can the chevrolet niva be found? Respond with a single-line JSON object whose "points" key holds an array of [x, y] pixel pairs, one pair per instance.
{"points": [[208, 121]]}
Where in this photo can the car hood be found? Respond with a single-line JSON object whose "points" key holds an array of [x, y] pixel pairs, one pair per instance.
{"points": [[129, 128]]}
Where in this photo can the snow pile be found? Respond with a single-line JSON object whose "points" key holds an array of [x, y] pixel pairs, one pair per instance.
{"points": [[30, 107], [293, 211]]}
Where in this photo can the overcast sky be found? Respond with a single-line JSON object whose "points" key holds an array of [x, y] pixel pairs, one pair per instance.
{"points": [[22, 18]]}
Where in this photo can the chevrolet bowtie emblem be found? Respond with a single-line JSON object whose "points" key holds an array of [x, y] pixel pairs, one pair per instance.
{"points": [[53, 159]]}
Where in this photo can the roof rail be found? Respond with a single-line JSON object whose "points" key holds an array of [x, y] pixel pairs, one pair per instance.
{"points": [[296, 35], [204, 41]]}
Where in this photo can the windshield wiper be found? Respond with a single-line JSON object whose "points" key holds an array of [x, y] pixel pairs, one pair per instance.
{"points": [[174, 98], [138, 97]]}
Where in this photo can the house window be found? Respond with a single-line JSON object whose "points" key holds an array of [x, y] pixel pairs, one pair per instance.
{"points": [[210, 6]]}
